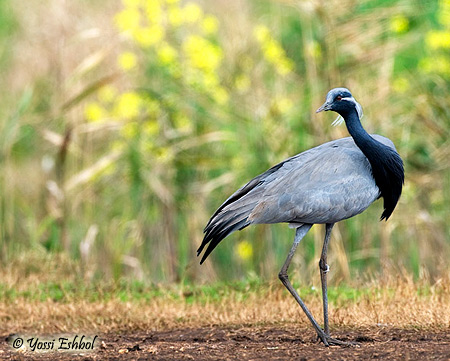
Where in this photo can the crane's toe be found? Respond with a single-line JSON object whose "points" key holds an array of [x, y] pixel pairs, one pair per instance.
{"points": [[329, 341], [335, 342]]}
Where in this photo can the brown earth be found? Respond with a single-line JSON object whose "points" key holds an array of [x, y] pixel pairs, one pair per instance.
{"points": [[401, 321], [255, 343]]}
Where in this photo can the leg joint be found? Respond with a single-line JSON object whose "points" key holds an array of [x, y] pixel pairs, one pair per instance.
{"points": [[283, 276], [323, 266]]}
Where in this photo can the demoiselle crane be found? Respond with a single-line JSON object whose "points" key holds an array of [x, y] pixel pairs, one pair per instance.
{"points": [[324, 185]]}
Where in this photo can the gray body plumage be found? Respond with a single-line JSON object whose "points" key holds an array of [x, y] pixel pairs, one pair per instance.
{"points": [[325, 184]]}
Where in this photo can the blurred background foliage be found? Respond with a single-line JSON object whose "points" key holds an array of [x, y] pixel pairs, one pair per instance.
{"points": [[124, 125]]}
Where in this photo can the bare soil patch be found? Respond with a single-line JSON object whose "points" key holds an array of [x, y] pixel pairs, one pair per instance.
{"points": [[257, 343]]}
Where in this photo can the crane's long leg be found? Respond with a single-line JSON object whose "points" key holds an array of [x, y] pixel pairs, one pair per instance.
{"points": [[324, 268], [326, 339]]}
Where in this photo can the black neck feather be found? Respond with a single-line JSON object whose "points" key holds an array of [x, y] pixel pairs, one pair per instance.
{"points": [[387, 166]]}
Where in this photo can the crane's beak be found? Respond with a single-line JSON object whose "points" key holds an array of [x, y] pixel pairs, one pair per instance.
{"points": [[324, 107]]}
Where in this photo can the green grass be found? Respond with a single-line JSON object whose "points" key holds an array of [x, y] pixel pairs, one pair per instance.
{"points": [[134, 291]]}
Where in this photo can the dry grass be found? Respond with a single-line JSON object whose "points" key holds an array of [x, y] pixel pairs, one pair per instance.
{"points": [[398, 304]]}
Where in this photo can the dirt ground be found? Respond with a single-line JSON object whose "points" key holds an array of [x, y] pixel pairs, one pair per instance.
{"points": [[254, 343]]}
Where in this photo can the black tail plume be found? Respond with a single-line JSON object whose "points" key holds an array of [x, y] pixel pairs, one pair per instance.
{"points": [[215, 232], [233, 214]]}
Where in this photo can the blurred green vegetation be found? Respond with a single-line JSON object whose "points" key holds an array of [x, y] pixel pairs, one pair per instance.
{"points": [[124, 125]]}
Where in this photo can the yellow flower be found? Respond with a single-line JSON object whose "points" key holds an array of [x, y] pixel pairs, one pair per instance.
{"points": [[94, 112], [399, 24], [192, 12], [128, 19], [176, 17], [128, 105], [284, 105], [400, 85], [166, 54], [202, 54], [439, 65], [127, 60], [284, 66], [244, 250], [154, 11], [261, 32], [149, 36], [438, 39], [151, 127], [273, 51], [107, 94], [210, 24], [172, 1]]}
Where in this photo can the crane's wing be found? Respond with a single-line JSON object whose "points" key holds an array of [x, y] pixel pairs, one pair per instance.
{"points": [[324, 184]]}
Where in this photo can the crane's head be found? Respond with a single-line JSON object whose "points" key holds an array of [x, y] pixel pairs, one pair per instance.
{"points": [[341, 101]]}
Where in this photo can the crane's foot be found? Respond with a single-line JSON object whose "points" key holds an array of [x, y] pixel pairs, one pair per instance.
{"points": [[329, 341]]}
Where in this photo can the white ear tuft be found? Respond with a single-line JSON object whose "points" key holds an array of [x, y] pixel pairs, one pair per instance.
{"points": [[359, 110], [338, 121]]}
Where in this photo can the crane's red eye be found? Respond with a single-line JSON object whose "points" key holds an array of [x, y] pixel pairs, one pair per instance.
{"points": [[338, 97]]}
